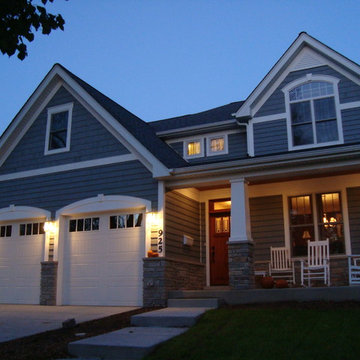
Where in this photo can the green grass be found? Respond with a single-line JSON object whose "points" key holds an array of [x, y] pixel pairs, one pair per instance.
{"points": [[318, 332]]}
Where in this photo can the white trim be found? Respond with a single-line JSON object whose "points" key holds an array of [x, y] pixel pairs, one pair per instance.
{"points": [[217, 136], [201, 140], [349, 105], [28, 124], [54, 110], [22, 212], [307, 79], [69, 167], [103, 203], [250, 139], [266, 118], [302, 40]]}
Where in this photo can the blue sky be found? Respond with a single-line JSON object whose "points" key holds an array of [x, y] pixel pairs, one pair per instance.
{"points": [[164, 58]]}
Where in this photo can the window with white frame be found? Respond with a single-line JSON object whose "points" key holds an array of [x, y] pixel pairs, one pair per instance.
{"points": [[58, 129], [217, 145], [313, 114], [193, 148], [328, 217]]}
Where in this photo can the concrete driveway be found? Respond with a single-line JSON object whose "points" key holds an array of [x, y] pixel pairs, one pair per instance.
{"points": [[22, 320]]}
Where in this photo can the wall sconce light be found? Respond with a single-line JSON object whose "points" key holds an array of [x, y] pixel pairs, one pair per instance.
{"points": [[50, 227]]}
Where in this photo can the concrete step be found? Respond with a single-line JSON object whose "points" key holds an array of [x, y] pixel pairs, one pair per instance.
{"points": [[212, 303], [169, 317], [125, 344]]}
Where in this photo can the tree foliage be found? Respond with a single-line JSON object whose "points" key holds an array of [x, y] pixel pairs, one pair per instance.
{"points": [[19, 19]]}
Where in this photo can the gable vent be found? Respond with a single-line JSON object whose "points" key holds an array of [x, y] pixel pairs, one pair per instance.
{"points": [[306, 60]]}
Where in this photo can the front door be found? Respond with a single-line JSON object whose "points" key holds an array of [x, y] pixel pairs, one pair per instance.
{"points": [[219, 237]]}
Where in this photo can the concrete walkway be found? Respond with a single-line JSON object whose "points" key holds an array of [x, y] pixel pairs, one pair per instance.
{"points": [[149, 330], [23, 320]]}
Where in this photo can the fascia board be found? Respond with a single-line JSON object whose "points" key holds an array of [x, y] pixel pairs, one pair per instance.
{"points": [[302, 40], [158, 168]]}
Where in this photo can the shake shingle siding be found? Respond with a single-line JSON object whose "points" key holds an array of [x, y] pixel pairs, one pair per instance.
{"points": [[182, 218], [270, 137], [267, 225], [54, 191], [89, 140]]}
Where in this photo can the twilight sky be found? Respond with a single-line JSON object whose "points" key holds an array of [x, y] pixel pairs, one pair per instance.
{"points": [[164, 58]]}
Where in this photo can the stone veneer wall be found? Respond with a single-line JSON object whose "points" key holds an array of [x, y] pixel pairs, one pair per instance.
{"points": [[241, 265], [48, 282], [162, 275]]}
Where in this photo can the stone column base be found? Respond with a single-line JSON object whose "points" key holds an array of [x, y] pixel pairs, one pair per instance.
{"points": [[48, 282], [241, 267], [163, 274]]}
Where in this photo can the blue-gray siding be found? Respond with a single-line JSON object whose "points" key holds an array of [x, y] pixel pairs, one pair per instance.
{"points": [[89, 140], [54, 191], [270, 137], [182, 217], [267, 225], [348, 90], [351, 125], [353, 196]]}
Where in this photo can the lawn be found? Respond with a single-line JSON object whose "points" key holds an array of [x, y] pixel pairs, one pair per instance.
{"points": [[308, 331]]}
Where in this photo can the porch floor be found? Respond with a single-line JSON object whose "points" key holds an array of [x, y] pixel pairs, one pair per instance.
{"points": [[256, 296]]}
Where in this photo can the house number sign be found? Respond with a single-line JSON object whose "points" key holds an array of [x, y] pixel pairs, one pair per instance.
{"points": [[160, 241]]}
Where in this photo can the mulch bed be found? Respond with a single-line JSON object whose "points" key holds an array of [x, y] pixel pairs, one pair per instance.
{"points": [[53, 344]]}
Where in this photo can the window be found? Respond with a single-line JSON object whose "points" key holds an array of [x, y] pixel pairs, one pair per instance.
{"points": [[58, 129], [125, 221], [331, 221], [217, 145], [31, 229], [328, 218], [313, 118], [193, 148], [301, 224], [5, 231], [87, 224]]}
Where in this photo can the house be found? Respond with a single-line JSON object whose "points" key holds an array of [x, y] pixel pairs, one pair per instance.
{"points": [[88, 189]]}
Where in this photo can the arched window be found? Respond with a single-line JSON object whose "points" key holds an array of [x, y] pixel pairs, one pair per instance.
{"points": [[313, 118]]}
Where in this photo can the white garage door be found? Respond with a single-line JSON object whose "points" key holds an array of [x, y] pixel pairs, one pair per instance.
{"points": [[103, 260], [21, 253]]}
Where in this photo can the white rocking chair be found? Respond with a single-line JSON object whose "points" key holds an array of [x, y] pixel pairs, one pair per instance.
{"points": [[354, 269], [281, 266], [317, 265]]}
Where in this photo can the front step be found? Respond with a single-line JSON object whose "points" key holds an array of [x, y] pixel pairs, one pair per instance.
{"points": [[211, 303], [169, 317], [129, 343]]}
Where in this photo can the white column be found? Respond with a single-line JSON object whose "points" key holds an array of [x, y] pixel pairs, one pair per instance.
{"points": [[240, 212]]}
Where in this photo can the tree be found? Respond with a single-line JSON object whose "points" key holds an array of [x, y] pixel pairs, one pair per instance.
{"points": [[18, 21]]}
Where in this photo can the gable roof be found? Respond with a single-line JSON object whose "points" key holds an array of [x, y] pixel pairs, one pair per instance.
{"points": [[300, 42], [140, 130], [214, 115]]}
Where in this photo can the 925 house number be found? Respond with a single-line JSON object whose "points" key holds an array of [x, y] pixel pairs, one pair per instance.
{"points": [[160, 241]]}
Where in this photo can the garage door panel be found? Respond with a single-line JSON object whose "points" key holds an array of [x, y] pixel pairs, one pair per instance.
{"points": [[104, 267], [20, 265]]}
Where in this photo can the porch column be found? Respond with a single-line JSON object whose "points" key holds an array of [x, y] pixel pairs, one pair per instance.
{"points": [[241, 270]]}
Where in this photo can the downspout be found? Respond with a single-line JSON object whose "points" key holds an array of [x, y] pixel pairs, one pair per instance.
{"points": [[249, 136]]}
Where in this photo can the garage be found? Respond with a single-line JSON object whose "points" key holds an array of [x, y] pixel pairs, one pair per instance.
{"points": [[21, 253], [103, 258]]}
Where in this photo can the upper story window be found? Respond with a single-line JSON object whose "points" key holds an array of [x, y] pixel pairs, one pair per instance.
{"points": [[217, 145], [313, 112], [193, 148], [58, 129]]}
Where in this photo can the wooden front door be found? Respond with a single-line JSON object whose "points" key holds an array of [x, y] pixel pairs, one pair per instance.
{"points": [[219, 236]]}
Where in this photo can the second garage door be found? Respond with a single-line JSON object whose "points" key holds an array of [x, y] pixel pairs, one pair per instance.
{"points": [[103, 259]]}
